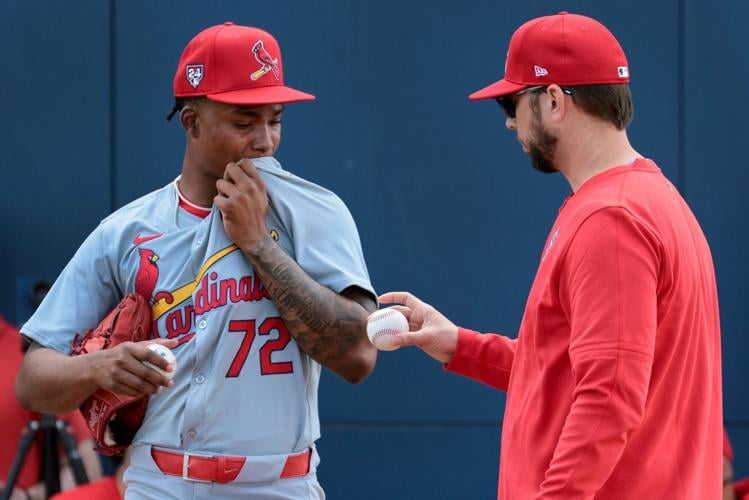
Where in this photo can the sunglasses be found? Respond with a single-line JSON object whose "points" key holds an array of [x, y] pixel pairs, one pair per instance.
{"points": [[508, 103]]}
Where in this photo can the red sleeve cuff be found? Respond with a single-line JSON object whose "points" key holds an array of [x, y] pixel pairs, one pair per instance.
{"points": [[486, 358], [458, 359]]}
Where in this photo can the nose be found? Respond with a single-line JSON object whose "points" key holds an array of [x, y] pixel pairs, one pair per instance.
{"points": [[263, 141], [510, 123]]}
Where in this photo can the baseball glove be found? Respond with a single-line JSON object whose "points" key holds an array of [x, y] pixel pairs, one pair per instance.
{"points": [[113, 419]]}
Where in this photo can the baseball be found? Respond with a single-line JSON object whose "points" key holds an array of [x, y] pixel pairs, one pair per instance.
{"points": [[383, 325], [165, 353]]}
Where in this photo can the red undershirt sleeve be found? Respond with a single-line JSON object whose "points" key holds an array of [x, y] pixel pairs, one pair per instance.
{"points": [[486, 358], [609, 286]]}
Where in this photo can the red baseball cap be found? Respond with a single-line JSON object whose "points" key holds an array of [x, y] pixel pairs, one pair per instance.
{"points": [[236, 65], [565, 49]]}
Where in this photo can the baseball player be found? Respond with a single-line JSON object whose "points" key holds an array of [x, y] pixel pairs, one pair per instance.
{"points": [[614, 381], [255, 278]]}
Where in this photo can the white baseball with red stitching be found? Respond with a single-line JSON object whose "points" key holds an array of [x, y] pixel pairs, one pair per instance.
{"points": [[165, 353], [383, 325]]}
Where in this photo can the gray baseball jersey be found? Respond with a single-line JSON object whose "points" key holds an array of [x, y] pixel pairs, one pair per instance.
{"points": [[242, 385]]}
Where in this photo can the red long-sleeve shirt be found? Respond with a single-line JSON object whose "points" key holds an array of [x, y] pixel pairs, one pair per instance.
{"points": [[614, 381]]}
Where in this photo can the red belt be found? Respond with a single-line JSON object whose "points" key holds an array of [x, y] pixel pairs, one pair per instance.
{"points": [[219, 468]]}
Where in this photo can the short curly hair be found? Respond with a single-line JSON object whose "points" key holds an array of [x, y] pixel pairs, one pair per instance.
{"points": [[181, 102]]}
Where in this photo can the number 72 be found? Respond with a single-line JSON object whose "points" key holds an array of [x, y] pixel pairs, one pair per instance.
{"points": [[267, 365]]}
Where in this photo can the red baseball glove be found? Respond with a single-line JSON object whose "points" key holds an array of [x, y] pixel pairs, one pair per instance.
{"points": [[113, 419]]}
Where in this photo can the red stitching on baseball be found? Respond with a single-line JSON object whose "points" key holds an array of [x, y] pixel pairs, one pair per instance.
{"points": [[391, 331], [383, 313]]}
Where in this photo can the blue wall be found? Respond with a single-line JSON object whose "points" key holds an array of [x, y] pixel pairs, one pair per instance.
{"points": [[447, 204]]}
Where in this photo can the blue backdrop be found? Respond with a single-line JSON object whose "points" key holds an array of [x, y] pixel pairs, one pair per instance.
{"points": [[447, 204]]}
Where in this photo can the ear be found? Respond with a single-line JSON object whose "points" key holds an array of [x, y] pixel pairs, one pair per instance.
{"points": [[188, 117], [558, 105]]}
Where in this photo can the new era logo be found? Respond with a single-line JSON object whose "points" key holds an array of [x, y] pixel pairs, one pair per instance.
{"points": [[623, 71], [540, 71]]}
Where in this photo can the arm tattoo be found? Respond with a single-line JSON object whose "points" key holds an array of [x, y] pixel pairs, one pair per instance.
{"points": [[324, 324]]}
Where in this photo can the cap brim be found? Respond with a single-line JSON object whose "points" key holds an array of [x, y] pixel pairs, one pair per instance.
{"points": [[497, 89], [272, 94]]}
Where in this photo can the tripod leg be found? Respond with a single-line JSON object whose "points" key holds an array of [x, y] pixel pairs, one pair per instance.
{"points": [[71, 450], [23, 448], [51, 458]]}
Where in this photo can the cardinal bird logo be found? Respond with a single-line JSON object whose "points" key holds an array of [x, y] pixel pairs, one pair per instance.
{"points": [[267, 62], [148, 273]]}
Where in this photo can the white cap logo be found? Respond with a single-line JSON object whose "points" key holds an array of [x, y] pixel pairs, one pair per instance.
{"points": [[540, 71], [623, 72], [194, 74]]}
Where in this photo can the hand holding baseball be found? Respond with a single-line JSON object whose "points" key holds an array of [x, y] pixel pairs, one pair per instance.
{"points": [[384, 325], [429, 329], [167, 355], [121, 369], [243, 203]]}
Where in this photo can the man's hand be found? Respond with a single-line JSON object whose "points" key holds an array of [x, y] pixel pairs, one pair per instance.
{"points": [[243, 203], [429, 329], [121, 369]]}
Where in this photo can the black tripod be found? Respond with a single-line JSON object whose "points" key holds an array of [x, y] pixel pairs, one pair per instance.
{"points": [[54, 432]]}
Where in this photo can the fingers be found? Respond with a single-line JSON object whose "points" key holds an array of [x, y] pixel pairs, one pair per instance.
{"points": [[149, 375], [237, 176], [153, 378], [415, 318], [239, 179], [416, 311], [245, 166], [440, 344], [406, 311], [122, 369], [405, 298], [222, 203], [151, 356], [249, 168], [226, 188], [119, 388], [169, 343], [244, 175], [133, 384], [411, 338]]}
